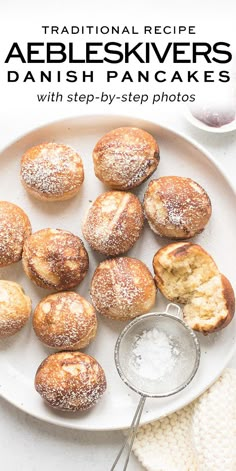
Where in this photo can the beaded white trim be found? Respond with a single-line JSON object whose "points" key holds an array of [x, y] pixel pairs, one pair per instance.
{"points": [[200, 437]]}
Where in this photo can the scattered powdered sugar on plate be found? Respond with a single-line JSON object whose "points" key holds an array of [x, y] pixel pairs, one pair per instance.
{"points": [[154, 354]]}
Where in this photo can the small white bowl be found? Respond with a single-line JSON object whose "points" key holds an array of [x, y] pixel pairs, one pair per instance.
{"points": [[199, 124]]}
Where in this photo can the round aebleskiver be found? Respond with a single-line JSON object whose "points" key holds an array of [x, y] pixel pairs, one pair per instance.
{"points": [[114, 222], [15, 308], [55, 259], [52, 172], [65, 321], [125, 157], [186, 273], [216, 309], [70, 381], [180, 268], [176, 207], [122, 288], [15, 227]]}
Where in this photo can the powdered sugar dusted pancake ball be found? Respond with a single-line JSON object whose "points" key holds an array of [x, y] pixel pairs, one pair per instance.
{"points": [[114, 222], [52, 172], [15, 308], [15, 227], [70, 381], [122, 288], [125, 157], [65, 321], [176, 207], [55, 259]]}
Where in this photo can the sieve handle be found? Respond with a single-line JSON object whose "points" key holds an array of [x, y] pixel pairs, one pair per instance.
{"points": [[174, 310], [131, 436]]}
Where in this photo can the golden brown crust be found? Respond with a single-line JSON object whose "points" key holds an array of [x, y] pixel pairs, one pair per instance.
{"points": [[15, 227], [55, 259], [114, 222], [52, 172], [125, 157], [229, 297], [70, 381], [122, 288], [176, 207], [65, 321], [15, 308]]}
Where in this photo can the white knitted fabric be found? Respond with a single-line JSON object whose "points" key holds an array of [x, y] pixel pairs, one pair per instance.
{"points": [[200, 437]]}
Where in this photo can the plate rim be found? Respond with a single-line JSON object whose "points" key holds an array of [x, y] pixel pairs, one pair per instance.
{"points": [[206, 154]]}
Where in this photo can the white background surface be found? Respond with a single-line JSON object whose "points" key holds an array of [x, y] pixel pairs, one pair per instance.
{"points": [[27, 443]]}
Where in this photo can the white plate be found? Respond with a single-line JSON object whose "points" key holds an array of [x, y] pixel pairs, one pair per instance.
{"points": [[21, 354]]}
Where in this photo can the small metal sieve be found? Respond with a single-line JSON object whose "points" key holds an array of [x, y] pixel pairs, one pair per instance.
{"points": [[177, 374]]}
